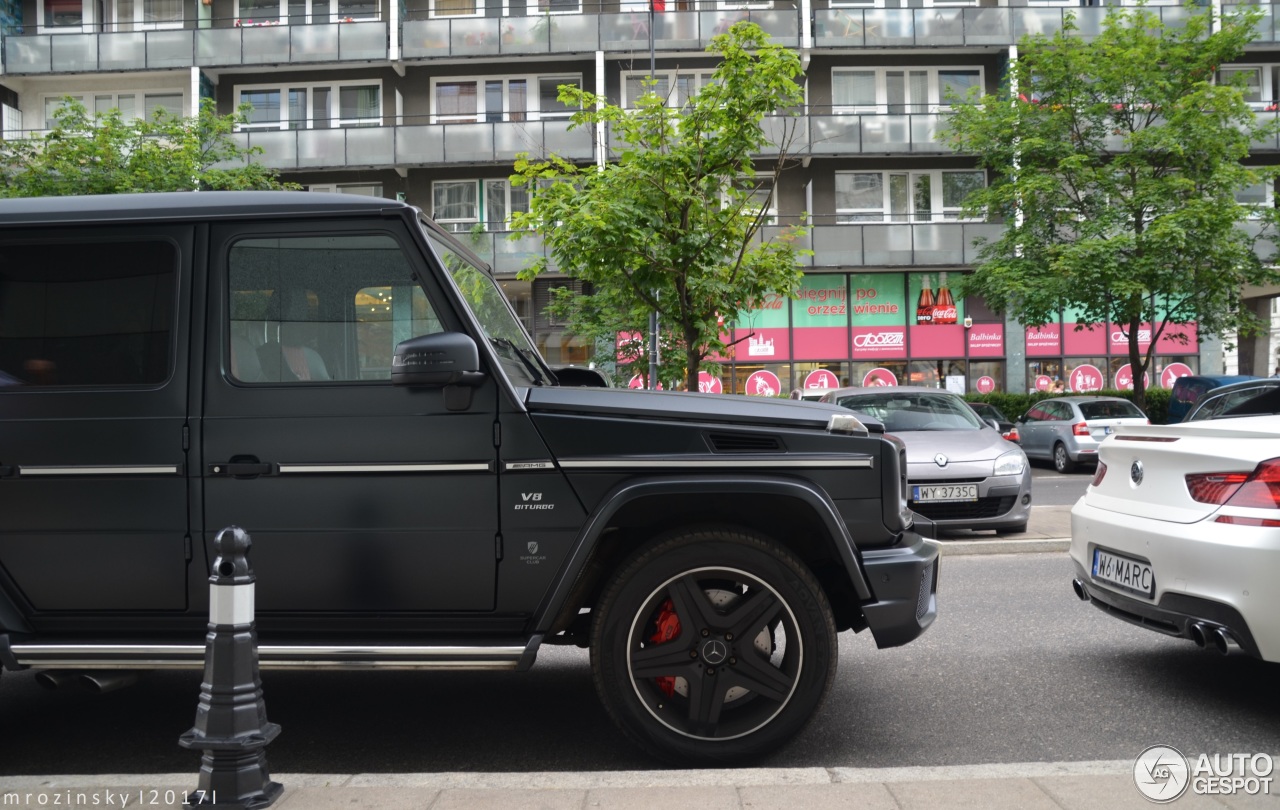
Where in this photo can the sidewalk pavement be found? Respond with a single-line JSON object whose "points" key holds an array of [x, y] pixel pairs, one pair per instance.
{"points": [[1104, 785]]}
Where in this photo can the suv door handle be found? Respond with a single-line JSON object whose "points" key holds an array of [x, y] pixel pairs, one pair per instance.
{"points": [[242, 468]]}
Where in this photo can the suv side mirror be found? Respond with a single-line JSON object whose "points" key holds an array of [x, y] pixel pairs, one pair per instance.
{"points": [[440, 359], [994, 424]]}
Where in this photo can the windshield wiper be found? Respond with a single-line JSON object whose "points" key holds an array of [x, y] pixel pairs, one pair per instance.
{"points": [[535, 372]]}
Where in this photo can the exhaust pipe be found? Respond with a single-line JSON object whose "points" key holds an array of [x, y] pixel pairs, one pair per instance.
{"points": [[54, 678], [1223, 641], [1078, 587], [1200, 634], [100, 682]]}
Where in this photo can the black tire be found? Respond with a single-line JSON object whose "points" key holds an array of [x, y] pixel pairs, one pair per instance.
{"points": [[748, 659], [1062, 460]]}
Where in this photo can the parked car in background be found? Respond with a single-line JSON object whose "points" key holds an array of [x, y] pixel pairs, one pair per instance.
{"points": [[1068, 430], [1187, 391], [987, 411], [1179, 532], [961, 473], [1220, 401]]}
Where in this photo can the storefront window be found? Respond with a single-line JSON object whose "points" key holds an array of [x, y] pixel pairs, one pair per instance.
{"points": [[762, 380], [1043, 372], [821, 375], [986, 376], [873, 374]]}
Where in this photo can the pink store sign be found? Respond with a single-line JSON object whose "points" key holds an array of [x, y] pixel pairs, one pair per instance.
{"points": [[821, 379], [763, 384], [1086, 340], [937, 340], [1124, 378], [1172, 372], [1118, 338], [879, 343], [1044, 341], [879, 377], [985, 385], [1084, 378], [762, 345], [708, 384], [985, 340], [820, 342]]}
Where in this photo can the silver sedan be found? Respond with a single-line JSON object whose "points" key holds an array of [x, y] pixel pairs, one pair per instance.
{"points": [[960, 472]]}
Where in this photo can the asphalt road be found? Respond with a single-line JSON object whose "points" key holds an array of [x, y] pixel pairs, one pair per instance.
{"points": [[1052, 488], [1014, 670]]}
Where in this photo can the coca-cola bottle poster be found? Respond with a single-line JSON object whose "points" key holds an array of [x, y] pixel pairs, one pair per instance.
{"points": [[879, 313], [820, 317], [936, 326]]}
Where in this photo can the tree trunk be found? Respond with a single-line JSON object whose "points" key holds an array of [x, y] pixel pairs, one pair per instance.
{"points": [[1138, 365]]}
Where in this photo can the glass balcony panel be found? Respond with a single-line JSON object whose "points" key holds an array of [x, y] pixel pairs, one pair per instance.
{"points": [[1175, 19], [370, 146], [789, 131], [572, 144], [888, 245], [886, 133], [266, 45], [840, 27], [938, 243], [425, 38], [420, 144], [279, 149], [170, 49], [988, 26], [1030, 21], [241, 140], [468, 142], [314, 43], [836, 245], [924, 133], [474, 37], [623, 32], [218, 46], [321, 148], [527, 34], [972, 231], [939, 26], [575, 33], [889, 26], [805, 242], [1271, 142], [782, 25], [678, 30], [32, 54], [362, 40], [511, 255], [1266, 27], [122, 51], [1089, 21], [73, 53], [835, 134], [513, 137]]}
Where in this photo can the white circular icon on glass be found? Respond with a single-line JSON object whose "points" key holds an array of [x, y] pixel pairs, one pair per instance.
{"points": [[1161, 773]]}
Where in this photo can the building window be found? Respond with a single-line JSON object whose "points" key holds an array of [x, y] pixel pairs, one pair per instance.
{"points": [[142, 15], [360, 189], [1257, 87], [66, 16], [676, 86], [454, 8], [312, 106], [462, 205], [499, 99], [895, 91], [253, 13], [130, 105], [930, 196]]}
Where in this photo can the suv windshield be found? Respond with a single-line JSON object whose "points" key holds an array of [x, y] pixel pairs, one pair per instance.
{"points": [[1115, 409], [501, 327], [906, 411]]}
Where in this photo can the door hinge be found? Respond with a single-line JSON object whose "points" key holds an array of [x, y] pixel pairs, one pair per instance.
{"points": [[497, 538], [186, 545], [497, 434], [186, 438]]}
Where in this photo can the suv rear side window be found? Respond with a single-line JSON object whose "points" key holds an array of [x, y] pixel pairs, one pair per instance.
{"points": [[87, 313], [1122, 409]]}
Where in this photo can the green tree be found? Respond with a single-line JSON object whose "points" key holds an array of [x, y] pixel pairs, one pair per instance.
{"points": [[105, 153], [1116, 162], [674, 225]]}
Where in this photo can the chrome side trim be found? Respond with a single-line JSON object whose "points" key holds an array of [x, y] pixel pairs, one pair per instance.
{"points": [[101, 469], [287, 469], [191, 656], [727, 461], [529, 465]]}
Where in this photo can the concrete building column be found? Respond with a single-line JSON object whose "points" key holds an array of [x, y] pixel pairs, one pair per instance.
{"points": [[1254, 352]]}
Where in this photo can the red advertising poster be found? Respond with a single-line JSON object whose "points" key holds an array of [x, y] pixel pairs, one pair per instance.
{"points": [[1084, 378], [1044, 341], [708, 384], [1171, 341], [879, 377], [1124, 378], [1085, 341], [763, 384], [985, 385], [820, 343], [1118, 338], [985, 340], [761, 345], [1172, 372], [821, 379], [937, 340], [1043, 382], [879, 343]]}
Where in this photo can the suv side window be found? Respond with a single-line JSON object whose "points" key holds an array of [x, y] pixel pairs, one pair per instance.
{"points": [[297, 317], [97, 313]]}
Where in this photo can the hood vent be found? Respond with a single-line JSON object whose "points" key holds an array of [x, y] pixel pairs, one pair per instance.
{"points": [[743, 443]]}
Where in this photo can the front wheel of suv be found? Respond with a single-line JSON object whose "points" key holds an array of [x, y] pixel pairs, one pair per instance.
{"points": [[713, 647]]}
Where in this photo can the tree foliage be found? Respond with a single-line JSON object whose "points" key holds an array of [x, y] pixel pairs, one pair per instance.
{"points": [[675, 223], [1116, 162], [105, 153]]}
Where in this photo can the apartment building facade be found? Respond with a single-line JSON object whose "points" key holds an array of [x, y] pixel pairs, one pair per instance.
{"points": [[432, 100]]}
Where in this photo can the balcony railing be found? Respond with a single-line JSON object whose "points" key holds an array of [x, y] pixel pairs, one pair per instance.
{"points": [[413, 145]]}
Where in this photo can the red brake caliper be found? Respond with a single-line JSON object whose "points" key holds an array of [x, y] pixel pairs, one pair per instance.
{"points": [[668, 627]]}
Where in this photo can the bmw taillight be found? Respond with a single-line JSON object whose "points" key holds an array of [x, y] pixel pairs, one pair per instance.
{"points": [[1214, 488], [1080, 429], [1259, 489], [1098, 474]]}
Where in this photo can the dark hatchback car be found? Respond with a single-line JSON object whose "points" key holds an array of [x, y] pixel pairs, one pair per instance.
{"points": [[988, 412], [344, 380]]}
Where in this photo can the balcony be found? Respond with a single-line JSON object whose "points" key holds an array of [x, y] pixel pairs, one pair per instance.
{"points": [[416, 145]]}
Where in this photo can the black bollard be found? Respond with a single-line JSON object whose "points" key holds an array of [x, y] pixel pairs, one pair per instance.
{"points": [[231, 719]]}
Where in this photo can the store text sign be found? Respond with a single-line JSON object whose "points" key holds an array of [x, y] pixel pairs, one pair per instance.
{"points": [[1044, 341], [877, 299], [879, 343], [985, 340], [1084, 338], [937, 340]]}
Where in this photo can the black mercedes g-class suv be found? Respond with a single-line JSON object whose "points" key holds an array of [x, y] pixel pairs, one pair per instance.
{"points": [[344, 380]]}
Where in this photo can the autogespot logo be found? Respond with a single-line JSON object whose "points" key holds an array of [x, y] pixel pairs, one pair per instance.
{"points": [[1161, 773]]}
